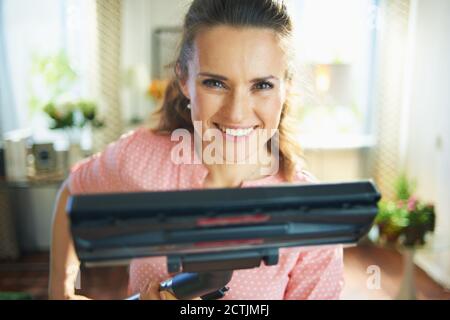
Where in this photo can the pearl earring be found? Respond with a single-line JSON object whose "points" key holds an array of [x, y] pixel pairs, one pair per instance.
{"points": [[188, 106]]}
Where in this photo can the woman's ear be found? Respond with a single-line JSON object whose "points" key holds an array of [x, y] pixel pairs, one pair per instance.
{"points": [[182, 81]]}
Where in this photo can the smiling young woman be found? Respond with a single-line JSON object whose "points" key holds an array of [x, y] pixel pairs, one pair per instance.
{"points": [[233, 76], [235, 70]]}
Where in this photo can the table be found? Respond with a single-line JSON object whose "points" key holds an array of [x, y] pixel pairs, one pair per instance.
{"points": [[28, 211]]}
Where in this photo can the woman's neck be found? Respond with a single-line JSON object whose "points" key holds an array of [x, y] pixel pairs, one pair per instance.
{"points": [[233, 175]]}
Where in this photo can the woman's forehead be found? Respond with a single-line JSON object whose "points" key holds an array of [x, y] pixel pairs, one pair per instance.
{"points": [[239, 52]]}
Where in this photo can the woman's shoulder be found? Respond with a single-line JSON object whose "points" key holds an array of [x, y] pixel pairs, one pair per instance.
{"points": [[129, 143], [146, 138], [121, 162], [147, 135], [305, 176]]}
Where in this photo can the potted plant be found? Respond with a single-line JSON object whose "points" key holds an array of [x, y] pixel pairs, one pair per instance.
{"points": [[56, 81], [72, 115], [72, 118], [404, 223]]}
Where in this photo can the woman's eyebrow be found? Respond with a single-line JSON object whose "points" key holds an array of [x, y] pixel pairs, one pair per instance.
{"points": [[219, 77], [212, 75]]}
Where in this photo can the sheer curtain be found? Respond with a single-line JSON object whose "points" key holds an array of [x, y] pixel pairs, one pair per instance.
{"points": [[8, 116], [389, 86], [108, 70], [45, 28], [8, 242]]}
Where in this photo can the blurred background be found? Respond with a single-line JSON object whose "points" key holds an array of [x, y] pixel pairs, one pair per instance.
{"points": [[373, 103]]}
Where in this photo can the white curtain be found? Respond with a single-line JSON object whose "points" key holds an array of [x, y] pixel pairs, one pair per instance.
{"points": [[107, 78], [389, 91], [42, 28], [8, 121], [8, 115]]}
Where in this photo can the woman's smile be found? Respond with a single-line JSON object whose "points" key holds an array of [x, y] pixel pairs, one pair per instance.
{"points": [[236, 133]]}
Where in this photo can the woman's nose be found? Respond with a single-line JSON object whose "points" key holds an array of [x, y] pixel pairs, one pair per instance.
{"points": [[237, 107]]}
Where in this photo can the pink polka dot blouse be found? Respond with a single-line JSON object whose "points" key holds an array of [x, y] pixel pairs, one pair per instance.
{"points": [[140, 161]]}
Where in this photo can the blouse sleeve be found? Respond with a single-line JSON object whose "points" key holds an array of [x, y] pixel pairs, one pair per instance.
{"points": [[102, 172], [318, 274]]}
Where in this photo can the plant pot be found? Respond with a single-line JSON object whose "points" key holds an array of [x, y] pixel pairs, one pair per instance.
{"points": [[407, 289]]}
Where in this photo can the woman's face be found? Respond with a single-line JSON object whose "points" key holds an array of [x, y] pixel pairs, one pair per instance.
{"points": [[236, 85]]}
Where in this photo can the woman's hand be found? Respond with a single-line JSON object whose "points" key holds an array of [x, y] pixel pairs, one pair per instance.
{"points": [[150, 291]]}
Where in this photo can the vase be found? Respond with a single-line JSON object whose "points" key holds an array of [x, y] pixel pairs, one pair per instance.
{"points": [[408, 285], [74, 149], [75, 154]]}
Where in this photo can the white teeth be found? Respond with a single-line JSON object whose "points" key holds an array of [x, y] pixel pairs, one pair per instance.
{"points": [[237, 132]]}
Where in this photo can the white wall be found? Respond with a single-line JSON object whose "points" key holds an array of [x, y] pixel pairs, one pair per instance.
{"points": [[427, 139], [140, 18]]}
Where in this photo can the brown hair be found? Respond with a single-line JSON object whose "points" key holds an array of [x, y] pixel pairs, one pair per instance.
{"points": [[271, 14]]}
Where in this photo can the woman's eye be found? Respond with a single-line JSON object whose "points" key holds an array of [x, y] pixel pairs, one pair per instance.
{"points": [[214, 83], [263, 86]]}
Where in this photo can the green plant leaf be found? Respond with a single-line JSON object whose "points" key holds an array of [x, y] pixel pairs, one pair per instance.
{"points": [[404, 188]]}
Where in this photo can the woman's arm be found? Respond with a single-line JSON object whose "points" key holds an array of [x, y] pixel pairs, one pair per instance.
{"points": [[64, 264]]}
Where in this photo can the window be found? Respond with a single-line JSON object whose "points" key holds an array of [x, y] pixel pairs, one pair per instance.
{"points": [[45, 28], [334, 44]]}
